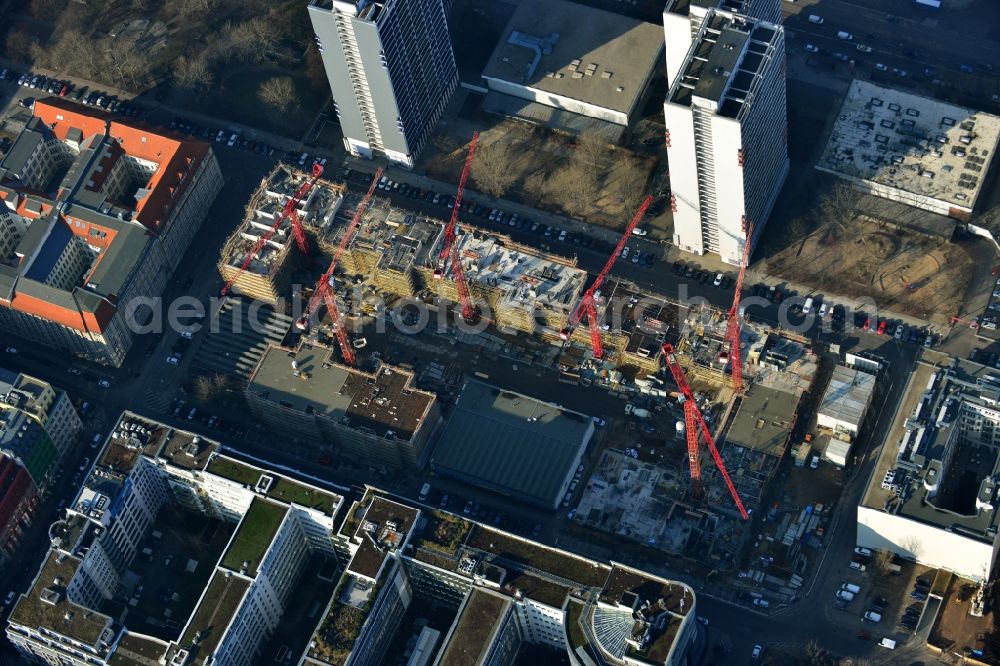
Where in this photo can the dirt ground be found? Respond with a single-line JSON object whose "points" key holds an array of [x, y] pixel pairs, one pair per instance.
{"points": [[539, 160], [954, 626], [903, 271]]}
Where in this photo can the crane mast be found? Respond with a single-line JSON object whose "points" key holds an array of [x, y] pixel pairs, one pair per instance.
{"points": [[695, 425], [288, 211], [588, 305], [449, 248], [733, 325], [322, 290]]}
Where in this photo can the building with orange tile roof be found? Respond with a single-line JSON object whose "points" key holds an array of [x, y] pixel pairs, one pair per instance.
{"points": [[98, 212]]}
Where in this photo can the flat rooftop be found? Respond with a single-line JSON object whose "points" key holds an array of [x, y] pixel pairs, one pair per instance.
{"points": [[848, 395], [254, 536], [574, 51], [934, 445], [46, 604], [511, 443], [281, 488], [763, 421], [218, 605], [510, 551], [911, 143], [470, 635], [677, 597], [726, 64], [384, 403], [383, 529]]}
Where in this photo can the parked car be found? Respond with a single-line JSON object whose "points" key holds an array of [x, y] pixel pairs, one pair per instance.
{"points": [[755, 653], [9, 598], [811, 48], [104, 383]]}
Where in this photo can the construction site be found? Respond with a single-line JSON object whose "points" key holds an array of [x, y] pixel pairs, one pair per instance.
{"points": [[689, 376]]}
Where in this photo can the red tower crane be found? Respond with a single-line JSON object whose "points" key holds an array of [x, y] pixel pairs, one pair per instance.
{"points": [[288, 211], [322, 289], [694, 424], [587, 305], [733, 327], [449, 248]]}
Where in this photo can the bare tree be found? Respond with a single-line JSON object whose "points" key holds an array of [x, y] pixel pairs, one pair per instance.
{"points": [[47, 10], [19, 46], [491, 169], [840, 203], [203, 389], [251, 41], [592, 148], [128, 65], [630, 184], [277, 92], [883, 561], [193, 73], [574, 186], [221, 383], [72, 51], [315, 70]]}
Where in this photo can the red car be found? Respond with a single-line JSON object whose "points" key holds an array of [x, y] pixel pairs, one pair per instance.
{"points": [[881, 327], [63, 90], [868, 324]]}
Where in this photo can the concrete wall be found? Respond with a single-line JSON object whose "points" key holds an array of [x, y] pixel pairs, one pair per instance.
{"points": [[924, 543], [557, 101], [684, 178]]}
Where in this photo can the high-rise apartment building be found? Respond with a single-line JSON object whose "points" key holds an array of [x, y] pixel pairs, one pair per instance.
{"points": [[682, 21], [391, 71], [726, 126]]}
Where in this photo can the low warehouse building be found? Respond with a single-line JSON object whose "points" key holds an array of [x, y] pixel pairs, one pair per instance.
{"points": [[920, 151], [512, 444], [565, 57], [846, 401]]}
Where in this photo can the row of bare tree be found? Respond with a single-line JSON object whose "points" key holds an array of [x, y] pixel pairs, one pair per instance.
{"points": [[595, 168]]}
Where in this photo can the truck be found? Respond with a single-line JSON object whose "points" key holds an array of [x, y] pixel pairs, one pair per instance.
{"points": [[637, 412], [425, 490]]}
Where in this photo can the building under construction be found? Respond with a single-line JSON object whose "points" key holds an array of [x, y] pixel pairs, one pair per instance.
{"points": [[395, 252], [268, 275]]}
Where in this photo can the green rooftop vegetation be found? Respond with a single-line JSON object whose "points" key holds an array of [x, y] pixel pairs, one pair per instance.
{"points": [[214, 613], [444, 532], [475, 626], [530, 554], [333, 641], [283, 489], [254, 536], [287, 490], [234, 470], [574, 612]]}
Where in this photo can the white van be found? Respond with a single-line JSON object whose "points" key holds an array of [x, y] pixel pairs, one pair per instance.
{"points": [[425, 490], [818, 20], [842, 34], [822, 310], [807, 307], [888, 643]]}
